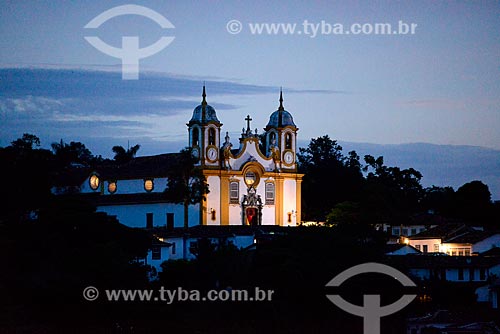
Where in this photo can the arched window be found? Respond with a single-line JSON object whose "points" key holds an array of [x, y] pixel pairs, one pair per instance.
{"points": [[269, 193], [288, 141], [272, 138], [196, 136], [211, 136], [234, 192]]}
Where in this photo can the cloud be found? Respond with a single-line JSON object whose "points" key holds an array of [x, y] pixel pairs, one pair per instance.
{"points": [[69, 101]]}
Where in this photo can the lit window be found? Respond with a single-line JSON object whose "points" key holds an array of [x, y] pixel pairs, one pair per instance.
{"points": [[234, 193], [148, 185], [112, 187], [251, 178], [94, 182], [269, 193]]}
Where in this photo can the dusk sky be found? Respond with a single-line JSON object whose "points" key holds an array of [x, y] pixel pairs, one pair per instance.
{"points": [[440, 85]]}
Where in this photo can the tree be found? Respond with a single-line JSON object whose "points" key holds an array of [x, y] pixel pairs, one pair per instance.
{"points": [[330, 177], [473, 202], [27, 142], [74, 152], [123, 155], [439, 200], [186, 183], [27, 172], [391, 191]]}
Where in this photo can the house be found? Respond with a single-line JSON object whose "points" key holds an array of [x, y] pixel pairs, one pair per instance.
{"points": [[182, 244], [460, 269], [454, 239]]}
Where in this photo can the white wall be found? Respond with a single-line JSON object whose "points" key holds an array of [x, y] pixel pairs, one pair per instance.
{"points": [[421, 242], [213, 200], [289, 202], [134, 215]]}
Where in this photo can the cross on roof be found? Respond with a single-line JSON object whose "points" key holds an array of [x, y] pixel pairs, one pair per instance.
{"points": [[248, 119]]}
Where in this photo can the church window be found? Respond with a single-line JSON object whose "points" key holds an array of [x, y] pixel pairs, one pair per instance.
{"points": [[272, 138], [149, 185], [288, 141], [234, 193], [196, 135], [112, 187], [269, 193], [149, 220], [94, 182], [211, 136], [251, 178]]}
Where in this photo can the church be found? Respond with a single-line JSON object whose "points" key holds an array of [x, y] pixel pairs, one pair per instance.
{"points": [[253, 180]]}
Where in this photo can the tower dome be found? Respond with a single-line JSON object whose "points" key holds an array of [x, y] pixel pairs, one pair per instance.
{"points": [[280, 118], [204, 113]]}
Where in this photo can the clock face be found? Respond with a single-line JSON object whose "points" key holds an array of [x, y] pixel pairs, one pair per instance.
{"points": [[212, 153], [288, 157]]}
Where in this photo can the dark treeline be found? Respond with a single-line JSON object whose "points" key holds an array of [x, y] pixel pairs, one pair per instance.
{"points": [[339, 188], [53, 247]]}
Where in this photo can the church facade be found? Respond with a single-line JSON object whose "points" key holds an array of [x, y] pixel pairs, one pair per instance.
{"points": [[252, 181]]}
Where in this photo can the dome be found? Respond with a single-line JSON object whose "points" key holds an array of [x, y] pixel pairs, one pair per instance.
{"points": [[280, 118], [210, 115]]}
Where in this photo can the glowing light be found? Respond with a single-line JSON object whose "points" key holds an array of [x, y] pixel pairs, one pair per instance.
{"points": [[94, 182]]}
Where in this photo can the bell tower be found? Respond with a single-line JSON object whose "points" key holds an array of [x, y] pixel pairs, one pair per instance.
{"points": [[204, 133], [281, 137]]}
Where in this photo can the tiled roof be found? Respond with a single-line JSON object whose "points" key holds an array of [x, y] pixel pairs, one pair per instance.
{"points": [[471, 237], [443, 231], [139, 167]]}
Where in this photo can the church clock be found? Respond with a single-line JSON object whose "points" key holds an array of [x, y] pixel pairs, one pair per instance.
{"points": [[288, 157], [212, 153]]}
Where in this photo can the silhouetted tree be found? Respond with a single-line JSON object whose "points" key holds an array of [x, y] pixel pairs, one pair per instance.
{"points": [[330, 177], [186, 183], [72, 153], [123, 155]]}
